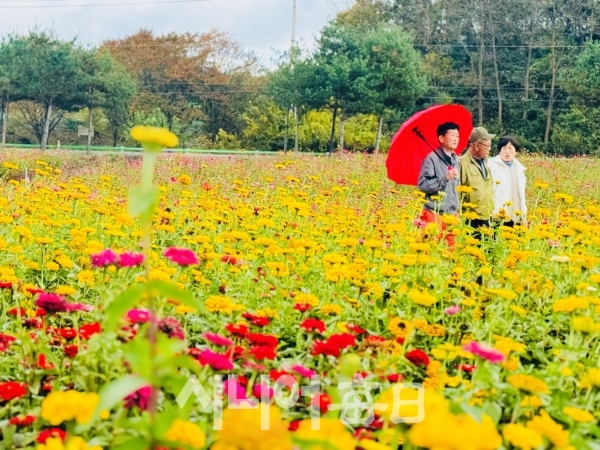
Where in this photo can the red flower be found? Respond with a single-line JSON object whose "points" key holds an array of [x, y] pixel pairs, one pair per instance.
{"points": [[321, 401], [302, 307], [294, 425], [34, 291], [465, 368], [229, 260], [43, 363], [275, 375], [51, 433], [67, 333], [22, 421], [52, 303], [395, 377], [400, 340], [334, 344], [262, 339], [11, 389], [356, 329], [5, 285], [374, 339], [312, 325], [5, 341], [88, 330], [418, 357], [71, 351], [222, 289], [257, 321], [261, 352], [17, 312], [206, 187], [237, 330]]}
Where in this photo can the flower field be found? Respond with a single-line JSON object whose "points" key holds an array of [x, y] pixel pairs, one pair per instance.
{"points": [[310, 267]]}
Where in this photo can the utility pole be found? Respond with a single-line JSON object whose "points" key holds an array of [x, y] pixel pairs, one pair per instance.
{"points": [[292, 54], [287, 112]]}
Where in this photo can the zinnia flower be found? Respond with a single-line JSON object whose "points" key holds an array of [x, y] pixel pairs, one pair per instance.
{"points": [[418, 357], [181, 256], [454, 309], [217, 339], [130, 259], [11, 389], [485, 351], [140, 398], [104, 258], [51, 303], [214, 360]]}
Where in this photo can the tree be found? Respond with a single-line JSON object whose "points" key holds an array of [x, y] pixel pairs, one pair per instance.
{"points": [[102, 84], [394, 79], [46, 74]]}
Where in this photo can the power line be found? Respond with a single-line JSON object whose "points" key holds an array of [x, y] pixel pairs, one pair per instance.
{"points": [[86, 5]]}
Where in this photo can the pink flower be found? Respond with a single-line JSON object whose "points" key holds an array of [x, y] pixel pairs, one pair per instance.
{"points": [[303, 371], [52, 303], [79, 307], [234, 390], [214, 360], [104, 258], [454, 309], [419, 223], [130, 259], [262, 391], [485, 351], [138, 316], [217, 339], [181, 256], [140, 398]]}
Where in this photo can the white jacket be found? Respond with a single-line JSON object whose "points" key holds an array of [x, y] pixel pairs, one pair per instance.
{"points": [[501, 174]]}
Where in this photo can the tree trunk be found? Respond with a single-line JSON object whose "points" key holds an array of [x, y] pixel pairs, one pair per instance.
{"points": [[342, 124], [497, 75], [480, 74], [378, 139], [46, 131], [332, 129], [528, 70], [551, 99], [297, 143], [287, 126], [115, 136], [90, 128], [4, 118]]}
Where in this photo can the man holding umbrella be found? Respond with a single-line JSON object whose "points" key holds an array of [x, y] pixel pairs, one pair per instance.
{"points": [[439, 176]]}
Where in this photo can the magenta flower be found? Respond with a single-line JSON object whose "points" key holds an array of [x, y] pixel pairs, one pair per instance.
{"points": [[217, 339], [130, 259], [485, 351], [140, 398], [303, 371], [79, 307], [214, 360], [172, 328], [234, 390], [181, 256], [104, 258], [262, 391], [138, 316], [52, 303], [454, 309]]}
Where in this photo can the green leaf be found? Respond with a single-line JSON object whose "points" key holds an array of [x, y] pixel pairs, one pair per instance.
{"points": [[143, 202], [138, 355], [138, 443], [170, 291], [120, 305], [115, 391], [494, 411]]}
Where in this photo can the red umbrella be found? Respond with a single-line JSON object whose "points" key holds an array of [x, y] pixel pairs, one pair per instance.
{"points": [[417, 137]]}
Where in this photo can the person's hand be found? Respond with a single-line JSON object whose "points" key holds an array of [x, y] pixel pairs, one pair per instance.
{"points": [[452, 173]]}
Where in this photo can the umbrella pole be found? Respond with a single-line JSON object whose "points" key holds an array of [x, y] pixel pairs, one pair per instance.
{"points": [[418, 133]]}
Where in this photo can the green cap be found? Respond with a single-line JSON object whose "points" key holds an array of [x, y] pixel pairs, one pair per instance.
{"points": [[480, 133]]}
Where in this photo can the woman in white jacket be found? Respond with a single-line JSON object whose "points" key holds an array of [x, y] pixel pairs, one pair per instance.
{"points": [[509, 183]]}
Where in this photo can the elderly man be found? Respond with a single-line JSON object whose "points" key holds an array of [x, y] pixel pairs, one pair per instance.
{"points": [[438, 179], [476, 179]]}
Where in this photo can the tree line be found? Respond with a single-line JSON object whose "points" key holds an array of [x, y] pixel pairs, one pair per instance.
{"points": [[526, 67]]}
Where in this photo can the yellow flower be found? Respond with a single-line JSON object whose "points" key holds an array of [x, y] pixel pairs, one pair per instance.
{"points": [[51, 265], [585, 325], [422, 297], [10, 166], [242, 430], [528, 383], [187, 433], [74, 443], [531, 401], [63, 406], [331, 435], [548, 428], [44, 240], [570, 304], [565, 371], [522, 437], [154, 138], [331, 310], [591, 379], [184, 179], [399, 327], [86, 277], [219, 304], [65, 290], [306, 299], [578, 415]]}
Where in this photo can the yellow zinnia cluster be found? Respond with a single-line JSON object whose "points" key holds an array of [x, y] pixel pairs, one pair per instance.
{"points": [[74, 443], [154, 138], [59, 407], [223, 305], [187, 433]]}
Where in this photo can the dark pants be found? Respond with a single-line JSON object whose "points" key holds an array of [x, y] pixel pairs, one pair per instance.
{"points": [[478, 223]]}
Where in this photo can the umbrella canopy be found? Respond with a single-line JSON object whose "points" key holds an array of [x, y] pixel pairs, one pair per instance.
{"points": [[417, 137]]}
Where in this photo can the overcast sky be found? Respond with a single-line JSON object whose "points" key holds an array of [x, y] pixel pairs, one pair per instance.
{"points": [[260, 25]]}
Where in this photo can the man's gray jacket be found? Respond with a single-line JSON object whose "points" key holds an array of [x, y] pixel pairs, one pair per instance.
{"points": [[432, 181]]}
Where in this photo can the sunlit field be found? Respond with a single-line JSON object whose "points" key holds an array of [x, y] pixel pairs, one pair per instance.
{"points": [[298, 265]]}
